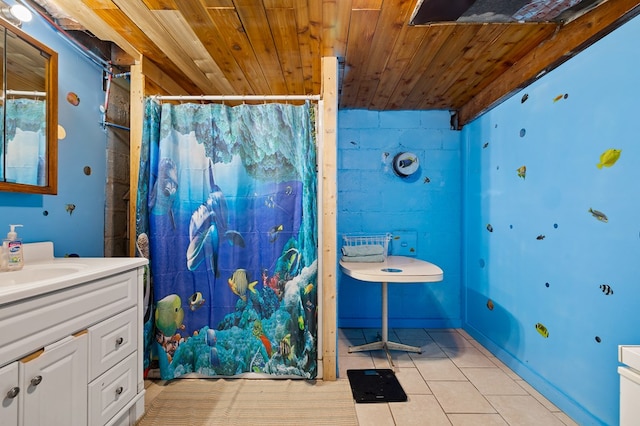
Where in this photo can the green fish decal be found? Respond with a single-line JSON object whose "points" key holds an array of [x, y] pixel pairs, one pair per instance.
{"points": [[169, 314], [609, 158]]}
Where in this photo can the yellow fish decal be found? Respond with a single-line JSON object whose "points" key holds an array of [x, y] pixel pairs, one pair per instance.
{"points": [[542, 330], [522, 171], [308, 288], [609, 158]]}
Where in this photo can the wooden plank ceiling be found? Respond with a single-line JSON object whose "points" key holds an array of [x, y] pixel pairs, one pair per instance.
{"points": [[262, 47]]}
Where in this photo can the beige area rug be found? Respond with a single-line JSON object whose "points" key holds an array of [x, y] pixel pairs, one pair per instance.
{"points": [[252, 402]]}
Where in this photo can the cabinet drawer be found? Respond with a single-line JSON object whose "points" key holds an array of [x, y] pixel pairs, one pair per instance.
{"points": [[38, 321], [109, 393], [111, 341]]}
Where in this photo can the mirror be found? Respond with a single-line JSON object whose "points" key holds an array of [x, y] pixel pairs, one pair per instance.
{"points": [[28, 113]]}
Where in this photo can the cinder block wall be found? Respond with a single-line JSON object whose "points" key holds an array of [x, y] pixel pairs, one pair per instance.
{"points": [[372, 198], [117, 184]]}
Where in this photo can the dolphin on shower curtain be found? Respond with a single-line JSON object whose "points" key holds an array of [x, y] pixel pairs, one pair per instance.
{"points": [[205, 227]]}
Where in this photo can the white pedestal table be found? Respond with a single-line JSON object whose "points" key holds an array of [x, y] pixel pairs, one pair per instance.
{"points": [[395, 269]]}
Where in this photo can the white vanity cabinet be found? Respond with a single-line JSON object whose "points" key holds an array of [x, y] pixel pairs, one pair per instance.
{"points": [[9, 394], [53, 384], [72, 355]]}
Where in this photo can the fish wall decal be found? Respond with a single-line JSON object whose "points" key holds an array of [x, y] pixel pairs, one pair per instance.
{"points": [[609, 158]]}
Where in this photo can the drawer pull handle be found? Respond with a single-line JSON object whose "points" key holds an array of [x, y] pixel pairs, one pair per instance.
{"points": [[13, 392], [36, 381], [119, 341], [119, 390]]}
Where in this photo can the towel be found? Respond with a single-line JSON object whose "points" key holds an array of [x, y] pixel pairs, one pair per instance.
{"points": [[372, 258], [363, 250]]}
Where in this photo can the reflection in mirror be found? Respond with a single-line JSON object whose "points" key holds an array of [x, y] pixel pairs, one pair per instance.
{"points": [[29, 118]]}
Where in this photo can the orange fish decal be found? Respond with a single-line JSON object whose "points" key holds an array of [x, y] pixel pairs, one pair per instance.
{"points": [[73, 99], [267, 344]]}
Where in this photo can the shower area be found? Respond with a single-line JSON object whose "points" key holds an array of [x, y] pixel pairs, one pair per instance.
{"points": [[227, 216]]}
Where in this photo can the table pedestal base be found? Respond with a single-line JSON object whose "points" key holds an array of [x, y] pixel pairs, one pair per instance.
{"points": [[385, 343]]}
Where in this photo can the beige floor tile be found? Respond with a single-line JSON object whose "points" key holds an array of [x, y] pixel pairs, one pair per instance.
{"points": [[538, 396], [459, 397], [493, 381], [565, 419], [439, 369], [429, 350], [465, 334], [501, 365], [468, 357], [344, 344], [477, 420], [523, 410], [449, 339], [375, 414], [373, 334], [353, 363], [411, 334], [400, 359], [411, 381], [350, 333], [419, 410], [481, 348]]}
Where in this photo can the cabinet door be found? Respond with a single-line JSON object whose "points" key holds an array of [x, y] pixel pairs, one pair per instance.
{"points": [[9, 394], [54, 384]]}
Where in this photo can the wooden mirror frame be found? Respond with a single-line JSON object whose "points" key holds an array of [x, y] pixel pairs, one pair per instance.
{"points": [[51, 89]]}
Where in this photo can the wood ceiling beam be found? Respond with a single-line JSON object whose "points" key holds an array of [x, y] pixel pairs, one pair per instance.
{"points": [[152, 72], [90, 20], [144, 19], [569, 40]]}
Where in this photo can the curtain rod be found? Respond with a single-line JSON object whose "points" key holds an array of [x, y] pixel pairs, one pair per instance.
{"points": [[238, 98], [25, 93]]}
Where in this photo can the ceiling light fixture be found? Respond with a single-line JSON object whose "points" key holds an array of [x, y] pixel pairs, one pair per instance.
{"points": [[16, 14]]}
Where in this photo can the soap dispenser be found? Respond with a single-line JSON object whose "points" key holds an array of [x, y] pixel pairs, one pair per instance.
{"points": [[12, 249]]}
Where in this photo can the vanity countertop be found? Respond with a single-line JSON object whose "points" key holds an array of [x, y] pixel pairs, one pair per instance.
{"points": [[45, 276]]}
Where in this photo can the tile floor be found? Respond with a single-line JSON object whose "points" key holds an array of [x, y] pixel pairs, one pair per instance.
{"points": [[455, 381]]}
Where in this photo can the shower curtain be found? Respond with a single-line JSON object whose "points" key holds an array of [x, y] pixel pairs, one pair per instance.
{"points": [[227, 218]]}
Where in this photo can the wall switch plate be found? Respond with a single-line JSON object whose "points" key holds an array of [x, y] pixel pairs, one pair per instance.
{"points": [[404, 243]]}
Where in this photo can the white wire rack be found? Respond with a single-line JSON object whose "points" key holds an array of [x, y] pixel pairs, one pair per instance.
{"points": [[351, 240]]}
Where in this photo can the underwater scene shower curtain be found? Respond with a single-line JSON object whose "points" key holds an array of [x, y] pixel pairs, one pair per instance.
{"points": [[227, 218]]}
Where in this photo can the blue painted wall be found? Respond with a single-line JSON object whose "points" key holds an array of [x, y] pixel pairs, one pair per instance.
{"points": [[85, 145], [373, 199], [514, 278]]}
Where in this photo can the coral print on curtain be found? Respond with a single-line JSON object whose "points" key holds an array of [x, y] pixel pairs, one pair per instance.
{"points": [[227, 217]]}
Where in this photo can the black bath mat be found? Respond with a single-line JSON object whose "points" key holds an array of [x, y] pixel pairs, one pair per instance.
{"points": [[375, 385]]}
